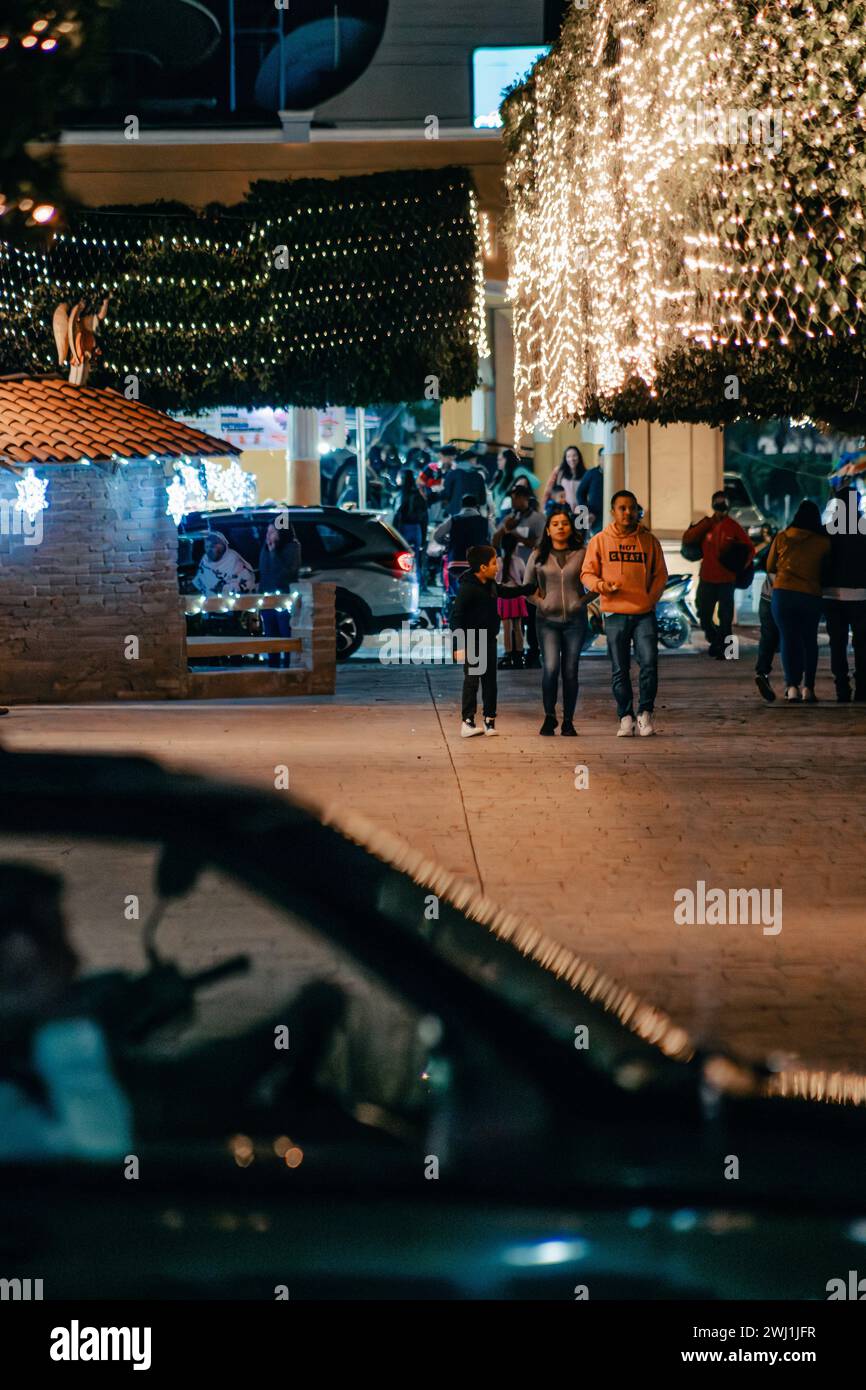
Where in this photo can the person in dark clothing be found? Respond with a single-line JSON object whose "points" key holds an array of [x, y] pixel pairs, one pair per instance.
{"points": [[590, 494], [459, 533], [844, 593], [446, 455], [410, 518], [799, 560], [465, 479], [486, 458], [720, 539], [476, 619], [279, 567], [529, 523], [768, 642]]}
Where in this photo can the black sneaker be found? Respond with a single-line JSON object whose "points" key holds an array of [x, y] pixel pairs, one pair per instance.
{"points": [[506, 662], [843, 694], [4, 709], [763, 684], [568, 730], [548, 726], [532, 662]]}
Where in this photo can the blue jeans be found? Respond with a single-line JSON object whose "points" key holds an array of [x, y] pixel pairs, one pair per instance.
{"points": [[560, 644], [621, 629], [276, 622], [768, 644], [797, 617]]}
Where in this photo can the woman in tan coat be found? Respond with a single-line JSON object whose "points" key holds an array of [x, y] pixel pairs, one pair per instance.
{"points": [[797, 559]]}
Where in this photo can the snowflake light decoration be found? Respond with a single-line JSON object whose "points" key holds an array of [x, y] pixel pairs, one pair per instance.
{"points": [[196, 495], [185, 492], [176, 506], [213, 472], [235, 487], [31, 495]]}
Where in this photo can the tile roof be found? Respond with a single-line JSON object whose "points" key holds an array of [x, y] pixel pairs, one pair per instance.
{"points": [[48, 420]]}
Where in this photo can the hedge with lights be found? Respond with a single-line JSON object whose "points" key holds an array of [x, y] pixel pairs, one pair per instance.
{"points": [[687, 184], [311, 292]]}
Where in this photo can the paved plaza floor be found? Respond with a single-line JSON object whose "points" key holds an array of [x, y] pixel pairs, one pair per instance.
{"points": [[732, 793]]}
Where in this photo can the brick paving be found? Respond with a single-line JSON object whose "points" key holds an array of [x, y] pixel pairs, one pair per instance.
{"points": [[733, 792]]}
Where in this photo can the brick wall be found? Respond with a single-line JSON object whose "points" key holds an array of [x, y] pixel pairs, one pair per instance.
{"points": [[315, 626], [104, 573]]}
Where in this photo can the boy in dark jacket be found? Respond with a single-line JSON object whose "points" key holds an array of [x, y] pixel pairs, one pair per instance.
{"points": [[476, 618]]}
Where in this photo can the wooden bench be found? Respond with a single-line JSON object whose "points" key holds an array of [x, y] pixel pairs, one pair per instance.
{"points": [[201, 648], [241, 646]]}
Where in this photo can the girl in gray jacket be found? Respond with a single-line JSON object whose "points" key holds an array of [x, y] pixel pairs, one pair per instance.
{"points": [[560, 615]]}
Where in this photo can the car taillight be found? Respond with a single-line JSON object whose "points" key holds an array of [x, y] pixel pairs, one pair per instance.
{"points": [[405, 561]]}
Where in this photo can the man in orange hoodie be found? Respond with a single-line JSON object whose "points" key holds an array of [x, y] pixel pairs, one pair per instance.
{"points": [[625, 565]]}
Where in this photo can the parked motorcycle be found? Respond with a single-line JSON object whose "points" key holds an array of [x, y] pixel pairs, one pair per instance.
{"points": [[675, 615]]}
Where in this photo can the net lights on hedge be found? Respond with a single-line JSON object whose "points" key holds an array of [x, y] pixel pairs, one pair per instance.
{"points": [[220, 319]]}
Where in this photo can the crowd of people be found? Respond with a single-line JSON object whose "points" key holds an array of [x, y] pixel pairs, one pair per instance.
{"points": [[539, 571], [528, 559], [560, 571], [811, 571]]}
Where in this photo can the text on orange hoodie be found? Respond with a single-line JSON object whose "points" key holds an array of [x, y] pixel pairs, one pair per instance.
{"points": [[634, 562]]}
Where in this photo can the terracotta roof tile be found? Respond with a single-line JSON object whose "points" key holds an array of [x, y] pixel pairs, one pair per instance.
{"points": [[48, 420]]}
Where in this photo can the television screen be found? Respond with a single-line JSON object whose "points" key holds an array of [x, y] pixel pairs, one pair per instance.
{"points": [[493, 71]]}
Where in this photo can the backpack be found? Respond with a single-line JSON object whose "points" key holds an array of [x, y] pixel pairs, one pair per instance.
{"points": [[736, 557]]}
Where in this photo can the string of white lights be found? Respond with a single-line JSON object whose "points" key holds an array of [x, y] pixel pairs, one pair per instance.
{"points": [[690, 173]]}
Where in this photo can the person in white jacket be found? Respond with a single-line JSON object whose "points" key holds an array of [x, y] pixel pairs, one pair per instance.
{"points": [[222, 570]]}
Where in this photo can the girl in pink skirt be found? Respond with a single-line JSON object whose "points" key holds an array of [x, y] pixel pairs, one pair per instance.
{"points": [[512, 611]]}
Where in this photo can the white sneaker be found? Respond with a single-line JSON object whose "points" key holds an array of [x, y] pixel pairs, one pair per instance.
{"points": [[645, 725], [490, 730], [792, 693], [626, 726], [469, 730]]}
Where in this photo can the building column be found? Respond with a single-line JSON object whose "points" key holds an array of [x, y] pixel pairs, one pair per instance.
{"points": [[303, 473], [614, 465]]}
